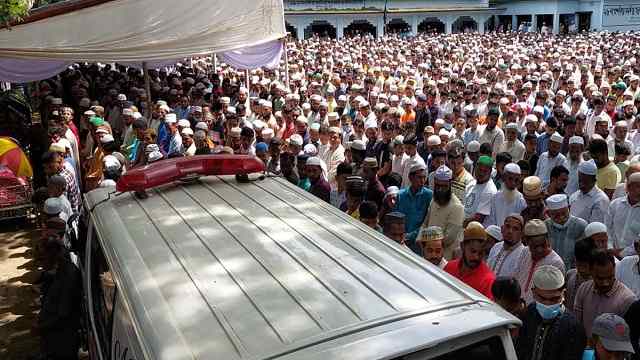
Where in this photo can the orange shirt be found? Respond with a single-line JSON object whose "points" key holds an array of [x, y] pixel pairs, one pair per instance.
{"points": [[407, 117]]}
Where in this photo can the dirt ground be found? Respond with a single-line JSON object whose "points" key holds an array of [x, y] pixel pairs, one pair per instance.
{"points": [[18, 297]]}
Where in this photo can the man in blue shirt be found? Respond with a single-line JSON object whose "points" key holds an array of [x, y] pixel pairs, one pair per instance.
{"points": [[413, 201], [164, 134], [543, 140]]}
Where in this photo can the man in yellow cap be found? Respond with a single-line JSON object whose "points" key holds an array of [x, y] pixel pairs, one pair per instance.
{"points": [[431, 240], [471, 268]]}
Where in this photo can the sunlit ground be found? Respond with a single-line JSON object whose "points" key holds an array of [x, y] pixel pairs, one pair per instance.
{"points": [[18, 297]]}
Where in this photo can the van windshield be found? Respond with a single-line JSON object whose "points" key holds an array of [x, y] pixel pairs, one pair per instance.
{"points": [[489, 349]]}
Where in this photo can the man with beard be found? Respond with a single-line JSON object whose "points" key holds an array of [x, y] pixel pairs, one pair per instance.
{"points": [[478, 194], [513, 145], [430, 240], [620, 137], [537, 253], [550, 159], [492, 134], [508, 200], [564, 229], [574, 159], [533, 195], [504, 256], [558, 180], [589, 202], [471, 268], [333, 156], [603, 293], [446, 212]]}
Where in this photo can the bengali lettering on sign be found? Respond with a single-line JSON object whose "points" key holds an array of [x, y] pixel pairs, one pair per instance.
{"points": [[620, 13]]}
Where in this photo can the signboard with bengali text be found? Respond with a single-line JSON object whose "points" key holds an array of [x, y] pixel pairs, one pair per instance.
{"points": [[620, 14]]}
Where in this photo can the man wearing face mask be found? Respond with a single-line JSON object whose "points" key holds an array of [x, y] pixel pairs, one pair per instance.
{"points": [[564, 229], [548, 331]]}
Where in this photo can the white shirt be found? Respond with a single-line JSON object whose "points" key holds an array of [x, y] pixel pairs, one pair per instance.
{"points": [[545, 164], [628, 273], [477, 198], [516, 149], [332, 158], [397, 163], [443, 263], [623, 224], [407, 167], [501, 208], [66, 205], [591, 207], [503, 262], [621, 191], [526, 268], [495, 138], [572, 184]]}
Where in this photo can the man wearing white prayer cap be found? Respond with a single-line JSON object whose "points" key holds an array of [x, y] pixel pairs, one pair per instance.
{"points": [[319, 185], [538, 253], [623, 218], [413, 201], [589, 202], [512, 144], [574, 159], [267, 135], [597, 232], [541, 331], [333, 154], [508, 200], [446, 211], [494, 236], [550, 159], [564, 229], [619, 137]]}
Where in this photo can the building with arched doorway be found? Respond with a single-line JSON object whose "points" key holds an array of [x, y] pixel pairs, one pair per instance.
{"points": [[338, 18]]}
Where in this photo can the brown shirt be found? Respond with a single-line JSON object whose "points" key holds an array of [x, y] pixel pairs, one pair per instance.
{"points": [[590, 304]]}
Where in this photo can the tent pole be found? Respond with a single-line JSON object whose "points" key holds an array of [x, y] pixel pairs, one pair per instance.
{"points": [[286, 63], [215, 63], [246, 78], [147, 88]]}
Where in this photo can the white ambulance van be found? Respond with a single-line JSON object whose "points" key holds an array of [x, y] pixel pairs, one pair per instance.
{"points": [[185, 261]]}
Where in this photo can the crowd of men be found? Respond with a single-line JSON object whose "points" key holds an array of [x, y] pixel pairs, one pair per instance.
{"points": [[511, 161]]}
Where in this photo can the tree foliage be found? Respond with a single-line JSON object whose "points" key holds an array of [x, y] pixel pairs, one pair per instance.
{"points": [[11, 10]]}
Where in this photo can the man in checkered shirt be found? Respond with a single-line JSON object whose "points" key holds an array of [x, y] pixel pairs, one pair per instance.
{"points": [[53, 165]]}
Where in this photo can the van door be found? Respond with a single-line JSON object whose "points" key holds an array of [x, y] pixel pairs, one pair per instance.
{"points": [[125, 344], [100, 293]]}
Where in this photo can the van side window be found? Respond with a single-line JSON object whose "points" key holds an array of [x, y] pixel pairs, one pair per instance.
{"points": [[103, 295], [489, 349]]}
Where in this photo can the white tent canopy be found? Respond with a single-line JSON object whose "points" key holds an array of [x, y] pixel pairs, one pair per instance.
{"points": [[144, 30]]}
